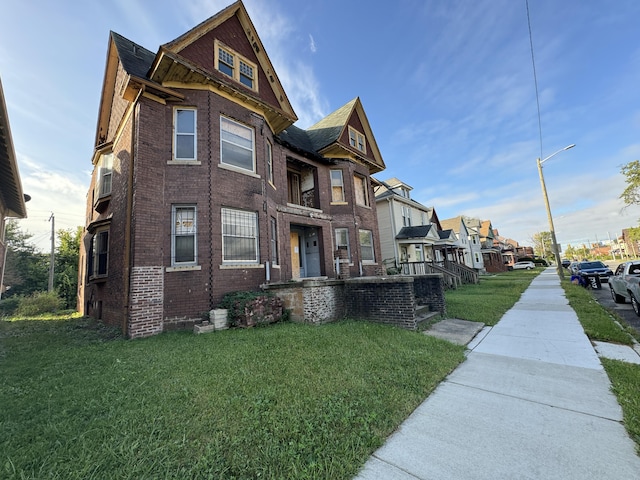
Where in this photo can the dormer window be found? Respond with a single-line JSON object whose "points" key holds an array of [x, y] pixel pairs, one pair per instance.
{"points": [[235, 66], [356, 140]]}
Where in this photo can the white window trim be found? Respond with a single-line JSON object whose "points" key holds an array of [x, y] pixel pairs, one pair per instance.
{"points": [[253, 148], [175, 157], [218, 45], [373, 251], [365, 189], [184, 265], [94, 274], [337, 202], [359, 140], [103, 171], [348, 243]]}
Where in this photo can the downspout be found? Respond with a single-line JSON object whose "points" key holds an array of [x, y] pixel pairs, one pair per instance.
{"points": [[128, 240], [393, 231]]}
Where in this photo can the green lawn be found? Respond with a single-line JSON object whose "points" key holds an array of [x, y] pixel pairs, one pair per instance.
{"points": [[285, 401], [490, 299]]}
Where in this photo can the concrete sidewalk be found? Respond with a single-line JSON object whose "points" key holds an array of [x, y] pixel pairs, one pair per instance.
{"points": [[531, 401]]}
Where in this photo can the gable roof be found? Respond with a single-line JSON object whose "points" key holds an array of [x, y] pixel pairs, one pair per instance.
{"points": [[454, 224], [326, 136], [171, 65], [10, 186]]}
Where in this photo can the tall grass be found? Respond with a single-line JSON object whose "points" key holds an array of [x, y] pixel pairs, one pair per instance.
{"points": [[287, 401]]}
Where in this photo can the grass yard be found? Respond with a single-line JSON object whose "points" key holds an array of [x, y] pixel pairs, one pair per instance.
{"points": [[490, 299], [597, 322], [285, 401]]}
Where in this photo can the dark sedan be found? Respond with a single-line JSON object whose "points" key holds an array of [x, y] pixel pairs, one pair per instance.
{"points": [[593, 268]]}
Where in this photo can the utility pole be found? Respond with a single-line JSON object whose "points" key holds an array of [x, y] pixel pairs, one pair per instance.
{"points": [[53, 249]]}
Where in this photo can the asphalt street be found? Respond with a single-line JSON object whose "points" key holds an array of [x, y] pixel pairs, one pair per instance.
{"points": [[624, 310]]}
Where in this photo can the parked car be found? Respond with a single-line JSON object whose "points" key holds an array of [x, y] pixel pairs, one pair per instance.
{"points": [[593, 268], [566, 262], [524, 265], [625, 284]]}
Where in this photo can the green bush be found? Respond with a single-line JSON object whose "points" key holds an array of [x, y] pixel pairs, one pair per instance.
{"points": [[38, 303], [8, 306], [245, 309]]}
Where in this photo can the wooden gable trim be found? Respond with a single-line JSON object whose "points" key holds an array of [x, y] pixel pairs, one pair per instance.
{"points": [[283, 114]]}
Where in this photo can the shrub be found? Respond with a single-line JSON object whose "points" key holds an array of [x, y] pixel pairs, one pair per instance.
{"points": [[38, 303], [8, 306], [246, 309]]}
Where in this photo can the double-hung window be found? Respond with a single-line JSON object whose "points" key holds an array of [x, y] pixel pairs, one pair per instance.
{"points": [[239, 236], [366, 246], [356, 140], [185, 136], [342, 240], [274, 241], [183, 235], [337, 186], [361, 190], [270, 163], [236, 145], [99, 254], [236, 66], [105, 173]]}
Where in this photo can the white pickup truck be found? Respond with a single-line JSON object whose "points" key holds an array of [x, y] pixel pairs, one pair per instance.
{"points": [[625, 284]]}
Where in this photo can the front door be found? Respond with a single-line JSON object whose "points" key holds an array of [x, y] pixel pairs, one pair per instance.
{"points": [[295, 255], [305, 252]]}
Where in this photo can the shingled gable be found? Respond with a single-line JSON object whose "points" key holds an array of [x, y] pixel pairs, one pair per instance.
{"points": [[135, 61], [330, 136], [189, 60]]}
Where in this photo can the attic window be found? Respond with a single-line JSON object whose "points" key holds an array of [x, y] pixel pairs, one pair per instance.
{"points": [[235, 66], [356, 140]]}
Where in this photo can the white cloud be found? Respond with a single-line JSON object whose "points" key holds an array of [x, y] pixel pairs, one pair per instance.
{"points": [[312, 44]]}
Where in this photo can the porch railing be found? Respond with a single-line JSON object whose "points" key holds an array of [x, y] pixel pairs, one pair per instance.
{"points": [[451, 279], [467, 274]]}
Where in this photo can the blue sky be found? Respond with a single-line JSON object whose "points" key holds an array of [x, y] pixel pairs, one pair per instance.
{"points": [[447, 86]]}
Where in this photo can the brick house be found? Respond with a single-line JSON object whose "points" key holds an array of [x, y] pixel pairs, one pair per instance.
{"points": [[203, 185], [12, 199]]}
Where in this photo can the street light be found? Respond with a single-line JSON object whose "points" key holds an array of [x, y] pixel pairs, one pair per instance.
{"points": [[556, 250]]}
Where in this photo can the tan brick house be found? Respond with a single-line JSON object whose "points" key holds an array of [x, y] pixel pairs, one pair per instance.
{"points": [[203, 185]]}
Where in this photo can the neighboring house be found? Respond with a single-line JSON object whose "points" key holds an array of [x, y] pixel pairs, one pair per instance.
{"points": [[464, 241], [12, 199], [507, 246], [409, 231], [203, 186], [412, 238], [473, 227], [491, 255]]}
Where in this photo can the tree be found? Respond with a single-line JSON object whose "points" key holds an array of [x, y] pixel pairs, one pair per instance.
{"points": [[26, 270], [542, 245], [631, 194], [66, 266]]}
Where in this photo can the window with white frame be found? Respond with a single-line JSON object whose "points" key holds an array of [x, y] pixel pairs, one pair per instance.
{"points": [[406, 216], [184, 235], [236, 66], [269, 162], [361, 190], [342, 240], [274, 241], [337, 186], [356, 140], [185, 128], [236, 145], [366, 246], [105, 173], [239, 236], [98, 257]]}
